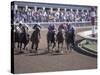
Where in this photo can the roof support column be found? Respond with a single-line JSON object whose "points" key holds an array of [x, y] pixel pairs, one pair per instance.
{"points": [[35, 8]]}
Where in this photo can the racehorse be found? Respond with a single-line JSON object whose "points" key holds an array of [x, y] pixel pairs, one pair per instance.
{"points": [[21, 37], [24, 38], [51, 40], [16, 36], [60, 39], [69, 38], [35, 38]]}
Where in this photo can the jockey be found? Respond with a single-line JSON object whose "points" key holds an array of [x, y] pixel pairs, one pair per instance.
{"points": [[19, 28], [68, 27], [61, 27], [51, 27], [37, 26]]}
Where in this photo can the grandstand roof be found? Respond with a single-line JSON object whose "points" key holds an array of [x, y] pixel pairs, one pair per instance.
{"points": [[53, 5]]}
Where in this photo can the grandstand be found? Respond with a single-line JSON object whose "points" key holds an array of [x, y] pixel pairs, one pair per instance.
{"points": [[31, 13]]}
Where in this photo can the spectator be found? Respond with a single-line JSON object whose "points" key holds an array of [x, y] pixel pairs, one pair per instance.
{"points": [[30, 15]]}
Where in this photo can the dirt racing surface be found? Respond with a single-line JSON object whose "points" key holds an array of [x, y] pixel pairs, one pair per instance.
{"points": [[44, 62]]}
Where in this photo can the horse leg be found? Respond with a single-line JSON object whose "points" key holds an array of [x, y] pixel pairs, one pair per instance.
{"points": [[32, 45], [54, 44], [24, 46], [67, 44], [36, 47], [18, 45], [58, 46], [71, 44], [61, 47], [48, 45], [69, 47]]}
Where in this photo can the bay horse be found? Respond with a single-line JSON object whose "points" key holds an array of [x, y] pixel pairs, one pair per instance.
{"points": [[35, 38], [51, 40], [24, 38], [69, 38], [21, 37], [60, 40]]}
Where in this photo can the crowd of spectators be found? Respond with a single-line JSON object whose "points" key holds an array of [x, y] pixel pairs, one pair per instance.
{"points": [[40, 15]]}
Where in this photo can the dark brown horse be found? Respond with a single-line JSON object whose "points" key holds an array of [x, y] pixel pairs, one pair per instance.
{"points": [[69, 38], [21, 37], [35, 38], [24, 38], [60, 40], [51, 40]]}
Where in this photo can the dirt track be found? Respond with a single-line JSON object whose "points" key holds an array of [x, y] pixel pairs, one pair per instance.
{"points": [[28, 62]]}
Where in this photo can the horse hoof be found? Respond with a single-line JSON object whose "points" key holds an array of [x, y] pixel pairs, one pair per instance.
{"points": [[57, 51]]}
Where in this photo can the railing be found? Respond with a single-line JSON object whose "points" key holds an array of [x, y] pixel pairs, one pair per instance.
{"points": [[76, 24]]}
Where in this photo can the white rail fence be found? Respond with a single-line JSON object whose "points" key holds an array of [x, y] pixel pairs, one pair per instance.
{"points": [[76, 24]]}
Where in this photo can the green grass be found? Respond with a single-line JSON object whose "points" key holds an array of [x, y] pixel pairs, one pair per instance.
{"points": [[92, 47]]}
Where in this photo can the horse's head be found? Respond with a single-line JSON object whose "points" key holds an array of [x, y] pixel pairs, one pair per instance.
{"points": [[37, 29]]}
